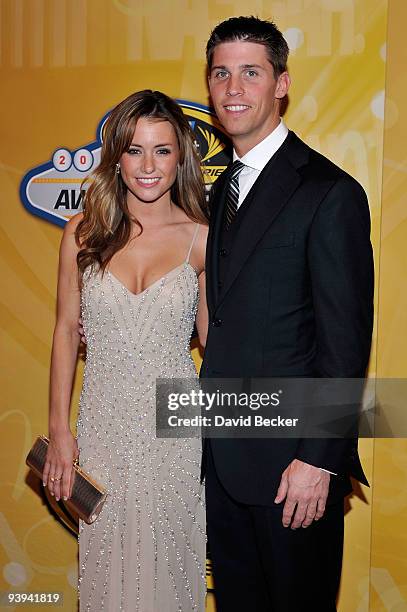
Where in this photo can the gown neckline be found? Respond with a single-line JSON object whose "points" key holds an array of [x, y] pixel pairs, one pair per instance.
{"points": [[184, 263]]}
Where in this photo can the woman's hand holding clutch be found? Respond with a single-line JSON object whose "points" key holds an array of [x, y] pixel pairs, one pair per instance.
{"points": [[58, 472]]}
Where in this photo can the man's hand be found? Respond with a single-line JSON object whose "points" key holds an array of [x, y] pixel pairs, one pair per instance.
{"points": [[306, 487], [81, 331]]}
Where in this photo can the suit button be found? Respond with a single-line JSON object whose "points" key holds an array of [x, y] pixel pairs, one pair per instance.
{"points": [[220, 285], [223, 252], [216, 322]]}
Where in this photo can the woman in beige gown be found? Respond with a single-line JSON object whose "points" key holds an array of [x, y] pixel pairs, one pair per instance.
{"points": [[139, 292]]}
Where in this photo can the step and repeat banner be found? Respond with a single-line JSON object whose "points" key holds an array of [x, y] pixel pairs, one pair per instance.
{"points": [[64, 64]]}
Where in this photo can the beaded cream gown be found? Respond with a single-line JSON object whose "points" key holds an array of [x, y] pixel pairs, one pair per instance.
{"points": [[146, 550]]}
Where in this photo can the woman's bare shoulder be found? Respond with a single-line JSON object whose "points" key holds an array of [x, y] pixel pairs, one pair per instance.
{"points": [[72, 224], [203, 233], [200, 247], [204, 229], [69, 245]]}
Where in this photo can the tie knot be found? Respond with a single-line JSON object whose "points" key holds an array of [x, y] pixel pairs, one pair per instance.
{"points": [[237, 167]]}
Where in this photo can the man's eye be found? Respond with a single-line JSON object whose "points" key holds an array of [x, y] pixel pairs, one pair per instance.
{"points": [[221, 74], [251, 73]]}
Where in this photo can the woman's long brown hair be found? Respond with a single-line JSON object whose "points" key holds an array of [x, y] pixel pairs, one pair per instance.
{"points": [[106, 224]]}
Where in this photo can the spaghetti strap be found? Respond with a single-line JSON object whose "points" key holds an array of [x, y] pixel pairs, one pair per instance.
{"points": [[192, 243]]}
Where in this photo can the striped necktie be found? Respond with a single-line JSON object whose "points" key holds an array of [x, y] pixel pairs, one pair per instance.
{"points": [[232, 196]]}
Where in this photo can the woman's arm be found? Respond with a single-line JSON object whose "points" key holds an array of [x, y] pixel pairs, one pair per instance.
{"points": [[202, 313], [201, 320], [63, 448]]}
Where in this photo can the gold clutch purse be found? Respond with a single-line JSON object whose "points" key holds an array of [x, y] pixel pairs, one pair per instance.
{"points": [[87, 496]]}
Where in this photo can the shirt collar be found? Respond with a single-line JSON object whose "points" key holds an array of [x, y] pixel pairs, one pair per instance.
{"points": [[260, 155]]}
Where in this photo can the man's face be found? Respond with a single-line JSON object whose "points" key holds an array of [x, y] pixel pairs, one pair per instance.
{"points": [[244, 92]]}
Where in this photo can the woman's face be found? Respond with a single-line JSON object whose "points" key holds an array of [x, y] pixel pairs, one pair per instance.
{"points": [[149, 166]]}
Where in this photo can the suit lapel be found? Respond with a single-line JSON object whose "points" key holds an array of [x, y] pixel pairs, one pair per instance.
{"points": [[268, 196]]}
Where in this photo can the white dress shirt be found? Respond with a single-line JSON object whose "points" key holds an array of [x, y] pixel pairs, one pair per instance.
{"points": [[257, 158]]}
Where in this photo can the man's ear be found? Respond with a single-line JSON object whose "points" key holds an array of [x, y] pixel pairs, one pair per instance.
{"points": [[283, 85]]}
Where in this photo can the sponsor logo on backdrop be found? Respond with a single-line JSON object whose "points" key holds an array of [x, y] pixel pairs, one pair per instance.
{"points": [[54, 189]]}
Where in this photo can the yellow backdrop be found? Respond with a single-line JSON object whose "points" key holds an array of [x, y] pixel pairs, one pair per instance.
{"points": [[64, 64]]}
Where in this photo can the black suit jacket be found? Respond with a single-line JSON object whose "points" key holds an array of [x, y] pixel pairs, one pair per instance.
{"points": [[296, 301]]}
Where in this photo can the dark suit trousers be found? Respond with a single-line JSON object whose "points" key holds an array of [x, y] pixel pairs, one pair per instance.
{"points": [[261, 566]]}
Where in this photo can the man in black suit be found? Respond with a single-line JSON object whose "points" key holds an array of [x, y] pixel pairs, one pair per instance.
{"points": [[290, 293]]}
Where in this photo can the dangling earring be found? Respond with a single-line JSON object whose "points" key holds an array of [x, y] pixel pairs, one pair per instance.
{"points": [[117, 168]]}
